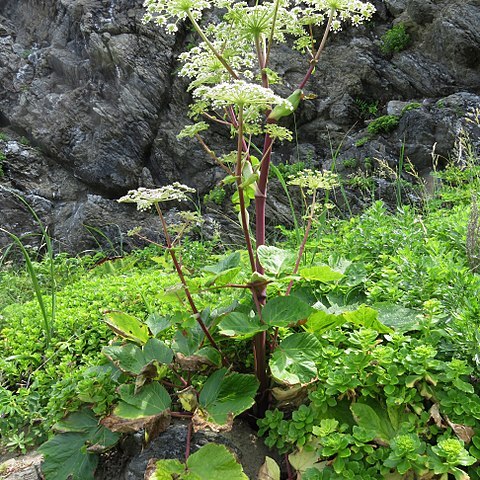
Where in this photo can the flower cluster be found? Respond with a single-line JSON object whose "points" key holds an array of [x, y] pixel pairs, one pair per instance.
{"points": [[310, 181], [252, 23], [240, 93], [167, 13], [355, 12], [191, 130], [147, 197], [202, 66]]}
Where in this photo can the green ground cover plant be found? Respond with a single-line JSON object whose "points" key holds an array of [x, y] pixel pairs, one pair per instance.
{"points": [[384, 124], [395, 40]]}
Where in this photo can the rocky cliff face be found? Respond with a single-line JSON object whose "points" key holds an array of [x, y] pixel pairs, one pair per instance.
{"points": [[90, 105]]}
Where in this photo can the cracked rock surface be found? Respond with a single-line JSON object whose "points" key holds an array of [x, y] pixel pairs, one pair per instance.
{"points": [[90, 105]]}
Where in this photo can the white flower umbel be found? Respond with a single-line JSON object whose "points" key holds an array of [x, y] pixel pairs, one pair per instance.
{"points": [[147, 197], [254, 22], [168, 12], [310, 181], [316, 12], [240, 93]]}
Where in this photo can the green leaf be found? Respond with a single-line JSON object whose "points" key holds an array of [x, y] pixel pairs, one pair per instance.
{"points": [[82, 421], [156, 350], [157, 323], [226, 263], [188, 342], [275, 260], [215, 462], [320, 273], [374, 420], [127, 326], [128, 358], [240, 325], [132, 359], [302, 460], [463, 386], [284, 311], [250, 180], [66, 455], [320, 322], [223, 396], [65, 458], [367, 317], [223, 278], [211, 355], [294, 359], [397, 317], [165, 469], [269, 470], [152, 399]]}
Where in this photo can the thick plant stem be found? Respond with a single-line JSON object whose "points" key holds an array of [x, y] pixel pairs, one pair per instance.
{"points": [[260, 356], [261, 56], [179, 270], [261, 196], [314, 61], [241, 147], [259, 342], [260, 293], [189, 440]]}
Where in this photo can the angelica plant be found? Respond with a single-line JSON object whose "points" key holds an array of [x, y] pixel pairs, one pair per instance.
{"points": [[231, 77], [232, 84]]}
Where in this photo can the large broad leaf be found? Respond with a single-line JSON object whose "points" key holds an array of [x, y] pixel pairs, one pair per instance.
{"points": [[158, 323], [85, 422], [65, 458], [187, 342], [294, 359], [151, 400], [367, 317], [240, 325], [320, 273], [82, 421], [226, 263], [225, 396], [320, 321], [202, 359], [128, 358], [127, 326], [399, 318], [285, 311], [214, 462], [223, 278], [66, 455], [165, 469], [156, 350], [275, 260], [132, 359], [375, 420]]}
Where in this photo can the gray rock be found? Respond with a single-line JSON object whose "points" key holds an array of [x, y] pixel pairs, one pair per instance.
{"points": [[395, 107], [94, 90], [421, 11], [241, 441], [396, 7]]}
